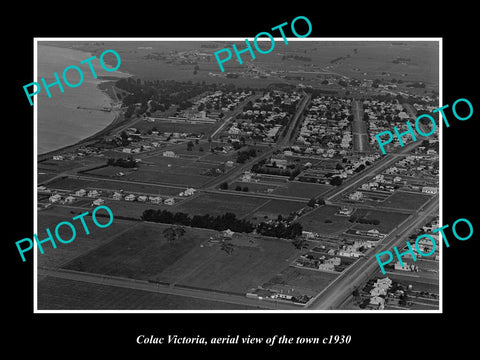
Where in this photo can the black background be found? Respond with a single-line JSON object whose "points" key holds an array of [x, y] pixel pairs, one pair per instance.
{"points": [[374, 334]]}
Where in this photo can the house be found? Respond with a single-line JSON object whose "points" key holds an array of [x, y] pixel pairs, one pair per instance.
{"points": [[69, 199], [98, 202], [357, 195], [127, 150], [309, 234], [169, 153], [346, 211], [155, 199], [54, 198], [130, 197], [117, 196], [57, 157], [229, 163], [80, 192], [378, 301], [228, 233], [142, 198], [93, 193], [429, 189], [374, 233], [169, 201], [189, 192]]}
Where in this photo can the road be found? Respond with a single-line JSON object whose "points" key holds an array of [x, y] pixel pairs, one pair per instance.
{"points": [[387, 161], [359, 129], [332, 296], [287, 139], [237, 111], [165, 289]]}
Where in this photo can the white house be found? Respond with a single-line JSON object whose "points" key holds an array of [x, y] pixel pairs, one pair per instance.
{"points": [[142, 198], [169, 201], [117, 196], [69, 199], [80, 192], [130, 197], [430, 189], [155, 199], [55, 198], [98, 202], [168, 153], [93, 193]]}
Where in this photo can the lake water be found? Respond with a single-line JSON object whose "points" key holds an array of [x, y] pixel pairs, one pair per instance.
{"points": [[60, 123]]}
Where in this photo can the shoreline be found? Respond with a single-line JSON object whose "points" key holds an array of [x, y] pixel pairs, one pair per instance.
{"points": [[118, 118], [118, 113]]}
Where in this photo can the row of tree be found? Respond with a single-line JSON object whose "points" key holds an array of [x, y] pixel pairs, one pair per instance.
{"points": [[279, 228], [121, 162], [207, 221]]}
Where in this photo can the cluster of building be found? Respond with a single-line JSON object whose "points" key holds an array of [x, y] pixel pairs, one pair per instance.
{"points": [[321, 172], [326, 126], [379, 292], [319, 262], [384, 115], [412, 173], [264, 120], [115, 195]]}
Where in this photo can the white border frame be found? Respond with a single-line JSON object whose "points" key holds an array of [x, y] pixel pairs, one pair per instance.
{"points": [[304, 311]]}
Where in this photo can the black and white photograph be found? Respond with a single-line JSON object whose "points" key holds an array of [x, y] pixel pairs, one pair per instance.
{"points": [[198, 180], [262, 187]]}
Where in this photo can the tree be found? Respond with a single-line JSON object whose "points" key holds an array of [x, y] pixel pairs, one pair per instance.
{"points": [[189, 146], [224, 186], [300, 243], [245, 189], [169, 234], [336, 181], [227, 247], [179, 231], [238, 188], [312, 202]]}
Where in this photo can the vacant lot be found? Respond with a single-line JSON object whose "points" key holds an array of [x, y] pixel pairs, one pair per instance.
{"points": [[273, 208], [406, 200], [302, 189], [61, 294], [388, 220], [218, 204], [306, 282], [82, 244], [140, 253], [315, 220], [246, 267], [170, 126]]}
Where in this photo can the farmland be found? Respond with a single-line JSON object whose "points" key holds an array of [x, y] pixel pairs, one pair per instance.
{"points": [[144, 253], [60, 294], [304, 281], [140, 253], [406, 200]]}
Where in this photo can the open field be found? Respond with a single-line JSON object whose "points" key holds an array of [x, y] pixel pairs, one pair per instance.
{"points": [[61, 294], [210, 267], [179, 127], [219, 204], [275, 207], [315, 220], [302, 189], [388, 220], [82, 244], [143, 253], [307, 282], [140, 253], [406, 200], [73, 184]]}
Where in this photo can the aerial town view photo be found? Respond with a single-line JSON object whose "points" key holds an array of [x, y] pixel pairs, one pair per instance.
{"points": [[259, 185]]}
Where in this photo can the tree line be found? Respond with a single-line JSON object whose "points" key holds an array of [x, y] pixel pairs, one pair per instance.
{"points": [[278, 228]]}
